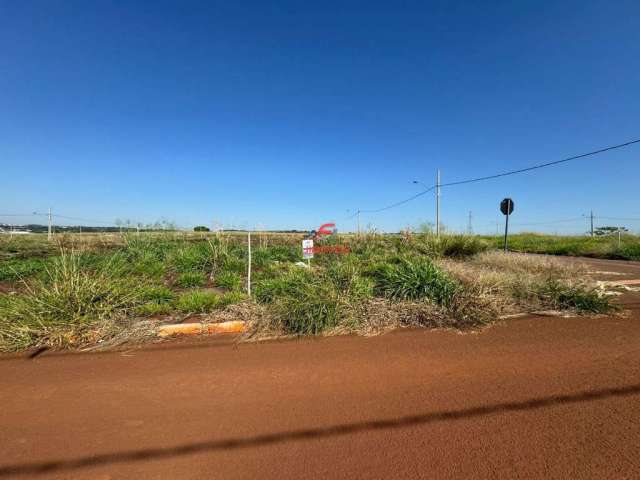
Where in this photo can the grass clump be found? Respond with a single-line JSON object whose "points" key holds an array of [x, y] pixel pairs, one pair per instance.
{"points": [[191, 279], [563, 296], [198, 301], [413, 279], [305, 302], [451, 246], [150, 309], [63, 307], [231, 298], [230, 280]]}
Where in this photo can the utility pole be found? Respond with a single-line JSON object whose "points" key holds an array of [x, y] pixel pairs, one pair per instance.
{"points": [[438, 204], [358, 214], [249, 265], [49, 233], [470, 225], [592, 223]]}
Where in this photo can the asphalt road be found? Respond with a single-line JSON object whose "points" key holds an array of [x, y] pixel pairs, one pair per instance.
{"points": [[536, 397]]}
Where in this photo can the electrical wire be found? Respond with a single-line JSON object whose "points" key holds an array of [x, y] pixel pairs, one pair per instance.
{"points": [[503, 174]]}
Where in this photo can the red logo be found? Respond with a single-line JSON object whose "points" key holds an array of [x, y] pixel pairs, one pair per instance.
{"points": [[327, 229]]}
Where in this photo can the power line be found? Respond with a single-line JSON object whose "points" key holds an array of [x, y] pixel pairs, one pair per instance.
{"points": [[82, 219], [542, 165], [22, 214], [620, 218], [566, 220], [397, 204], [503, 174]]}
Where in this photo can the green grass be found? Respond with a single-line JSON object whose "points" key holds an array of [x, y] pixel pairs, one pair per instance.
{"points": [[191, 279], [452, 246], [576, 297], [198, 301], [230, 280], [65, 298], [59, 307], [18, 268], [413, 279], [584, 246]]}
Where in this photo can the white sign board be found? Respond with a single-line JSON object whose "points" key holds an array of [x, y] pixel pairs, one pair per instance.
{"points": [[307, 249]]}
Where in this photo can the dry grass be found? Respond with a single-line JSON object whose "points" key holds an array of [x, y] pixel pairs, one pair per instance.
{"points": [[511, 283]]}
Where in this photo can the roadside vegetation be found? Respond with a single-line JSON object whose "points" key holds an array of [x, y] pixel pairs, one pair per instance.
{"points": [[84, 291], [602, 246]]}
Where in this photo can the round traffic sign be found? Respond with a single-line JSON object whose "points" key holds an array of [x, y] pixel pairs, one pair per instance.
{"points": [[506, 206]]}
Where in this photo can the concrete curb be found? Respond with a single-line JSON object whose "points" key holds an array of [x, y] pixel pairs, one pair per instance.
{"points": [[235, 326]]}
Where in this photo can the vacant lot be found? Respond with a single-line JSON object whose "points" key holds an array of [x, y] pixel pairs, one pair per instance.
{"points": [[107, 289]]}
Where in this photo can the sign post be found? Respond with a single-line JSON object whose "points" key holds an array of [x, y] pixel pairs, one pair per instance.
{"points": [[307, 249], [506, 207]]}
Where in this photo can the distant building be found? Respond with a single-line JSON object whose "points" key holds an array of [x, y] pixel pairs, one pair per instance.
{"points": [[14, 230]]}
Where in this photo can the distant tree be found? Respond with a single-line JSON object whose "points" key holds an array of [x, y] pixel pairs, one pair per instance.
{"points": [[201, 228], [603, 231]]}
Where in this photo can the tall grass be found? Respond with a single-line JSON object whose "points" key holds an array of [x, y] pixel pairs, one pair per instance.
{"points": [[67, 298], [413, 279], [61, 307]]}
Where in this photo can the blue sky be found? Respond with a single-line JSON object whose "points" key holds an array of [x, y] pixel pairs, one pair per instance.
{"points": [[288, 114]]}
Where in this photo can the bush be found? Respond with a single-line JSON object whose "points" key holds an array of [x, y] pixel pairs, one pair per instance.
{"points": [[198, 302], [201, 228], [412, 279], [191, 279]]}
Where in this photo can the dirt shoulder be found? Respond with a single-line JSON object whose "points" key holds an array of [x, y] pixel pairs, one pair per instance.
{"points": [[536, 397]]}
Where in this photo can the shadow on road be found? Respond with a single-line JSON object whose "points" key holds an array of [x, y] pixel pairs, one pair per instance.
{"points": [[39, 468], [187, 344]]}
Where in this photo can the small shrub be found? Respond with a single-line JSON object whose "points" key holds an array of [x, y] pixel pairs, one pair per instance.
{"points": [[191, 279], [198, 301]]}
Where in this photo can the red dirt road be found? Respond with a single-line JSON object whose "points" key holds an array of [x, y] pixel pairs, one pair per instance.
{"points": [[536, 397]]}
